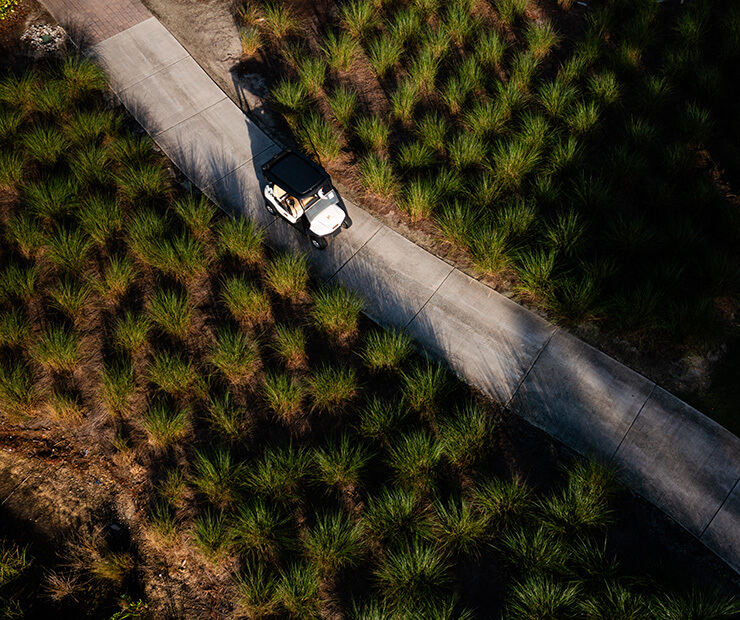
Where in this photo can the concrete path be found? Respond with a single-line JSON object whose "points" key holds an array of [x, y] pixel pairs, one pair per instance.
{"points": [[668, 452]]}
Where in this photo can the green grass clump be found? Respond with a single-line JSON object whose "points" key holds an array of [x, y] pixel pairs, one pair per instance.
{"points": [[58, 349], [290, 97], [117, 278], [173, 375], [171, 312], [92, 167], [394, 515], [333, 543], [227, 418], [432, 129], [317, 134], [290, 346], [71, 298], [284, 395], [287, 275], [373, 132], [312, 72], [377, 175], [466, 150], [540, 596], [415, 155], [405, 25], [414, 459], [424, 385], [17, 389], [256, 591], [541, 38], [101, 219], [261, 530], [52, 198], [358, 17], [197, 213], [343, 103], [341, 464], [18, 282], [165, 425], [340, 50], [404, 100], [384, 52], [460, 528], [425, 66], [44, 144], [69, 249], [413, 574], [131, 332], [379, 420], [82, 78], [386, 350], [240, 238], [280, 474], [236, 356], [14, 328], [298, 591], [583, 502], [218, 476], [11, 169], [510, 11], [279, 21], [467, 436], [247, 304], [336, 312], [489, 49], [210, 535], [143, 184], [332, 388], [118, 385]]}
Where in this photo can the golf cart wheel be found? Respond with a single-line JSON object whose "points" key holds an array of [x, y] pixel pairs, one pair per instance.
{"points": [[270, 209], [319, 243], [347, 221]]}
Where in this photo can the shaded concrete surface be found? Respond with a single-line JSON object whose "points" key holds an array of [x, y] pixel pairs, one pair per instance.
{"points": [[723, 533], [212, 143], [395, 276], [686, 463], [488, 339], [581, 396], [671, 454]]}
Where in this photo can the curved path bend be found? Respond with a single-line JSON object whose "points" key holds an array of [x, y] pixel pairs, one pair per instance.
{"points": [[663, 449]]}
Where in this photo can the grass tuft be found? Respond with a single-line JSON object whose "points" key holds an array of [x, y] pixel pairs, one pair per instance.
{"points": [[336, 312], [236, 356], [58, 349], [171, 312], [332, 388], [386, 350]]}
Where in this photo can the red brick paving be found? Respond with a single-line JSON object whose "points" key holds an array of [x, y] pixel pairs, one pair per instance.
{"points": [[93, 21]]}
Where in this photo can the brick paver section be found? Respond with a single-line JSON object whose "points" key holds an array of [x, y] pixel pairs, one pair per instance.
{"points": [[93, 21]]}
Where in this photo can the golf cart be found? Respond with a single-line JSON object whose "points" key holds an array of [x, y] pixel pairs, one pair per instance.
{"points": [[300, 191]]}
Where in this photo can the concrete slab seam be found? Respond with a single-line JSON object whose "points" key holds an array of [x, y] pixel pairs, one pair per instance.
{"points": [[629, 428], [424, 305], [164, 68], [531, 366], [192, 116], [344, 264], [721, 506]]}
